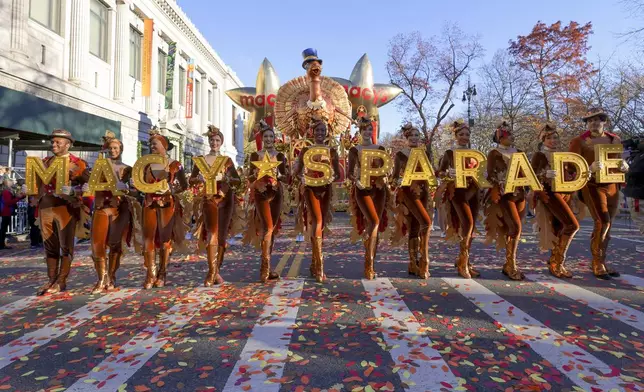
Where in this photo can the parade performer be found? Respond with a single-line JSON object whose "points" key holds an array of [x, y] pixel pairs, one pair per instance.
{"points": [[316, 200], [602, 200], [113, 221], [267, 196], [418, 206], [61, 217], [504, 212], [461, 204], [555, 220], [368, 204], [214, 213], [163, 225]]}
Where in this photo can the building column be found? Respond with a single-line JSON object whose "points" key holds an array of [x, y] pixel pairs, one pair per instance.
{"points": [[122, 52], [79, 41], [19, 20], [203, 110]]}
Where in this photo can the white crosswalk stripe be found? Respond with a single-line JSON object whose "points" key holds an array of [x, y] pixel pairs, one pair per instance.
{"points": [[633, 281], [407, 340], [618, 311], [269, 340], [17, 306], [578, 365], [119, 367], [22, 346]]}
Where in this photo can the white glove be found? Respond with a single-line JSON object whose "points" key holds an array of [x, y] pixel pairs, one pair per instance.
{"points": [[219, 177], [121, 186], [131, 182], [85, 187], [596, 166], [551, 173], [23, 189], [163, 191], [359, 185], [451, 173], [623, 166]]}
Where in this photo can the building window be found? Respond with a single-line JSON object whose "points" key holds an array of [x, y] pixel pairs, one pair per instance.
{"points": [[163, 69], [135, 54], [46, 12], [210, 105], [234, 126], [98, 30], [182, 86], [197, 96]]}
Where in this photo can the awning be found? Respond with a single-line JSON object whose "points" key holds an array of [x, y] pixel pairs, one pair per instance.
{"points": [[31, 116]]}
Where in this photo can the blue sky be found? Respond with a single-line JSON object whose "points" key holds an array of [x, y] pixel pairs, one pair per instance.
{"points": [[244, 32]]}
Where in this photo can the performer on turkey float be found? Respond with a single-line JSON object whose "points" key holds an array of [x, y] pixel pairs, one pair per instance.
{"points": [[554, 218], [163, 226], [418, 206], [504, 212], [61, 216], [602, 200], [460, 204], [214, 213], [317, 211], [267, 195], [368, 201], [113, 219]]}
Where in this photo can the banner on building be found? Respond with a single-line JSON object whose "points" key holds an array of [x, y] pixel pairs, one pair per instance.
{"points": [[146, 77], [169, 74], [190, 87]]}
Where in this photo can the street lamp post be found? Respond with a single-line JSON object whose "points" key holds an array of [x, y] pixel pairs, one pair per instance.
{"points": [[467, 97]]}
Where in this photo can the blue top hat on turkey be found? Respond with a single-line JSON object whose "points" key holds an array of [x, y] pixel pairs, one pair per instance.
{"points": [[309, 55]]}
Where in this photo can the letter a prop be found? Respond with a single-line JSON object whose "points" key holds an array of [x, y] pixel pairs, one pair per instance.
{"points": [[210, 172], [519, 163], [102, 178], [35, 169], [417, 157]]}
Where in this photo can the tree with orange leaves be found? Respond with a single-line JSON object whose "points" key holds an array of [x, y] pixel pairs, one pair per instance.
{"points": [[556, 56]]}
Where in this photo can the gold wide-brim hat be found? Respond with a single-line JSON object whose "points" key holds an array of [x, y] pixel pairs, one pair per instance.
{"points": [[62, 133], [594, 112]]}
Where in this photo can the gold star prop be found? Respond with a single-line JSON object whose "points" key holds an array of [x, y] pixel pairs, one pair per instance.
{"points": [[266, 166]]}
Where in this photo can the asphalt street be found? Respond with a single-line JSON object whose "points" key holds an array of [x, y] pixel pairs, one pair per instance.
{"points": [[395, 333]]}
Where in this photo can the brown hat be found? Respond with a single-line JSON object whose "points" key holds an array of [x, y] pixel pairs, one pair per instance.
{"points": [[594, 112], [407, 129], [503, 124], [156, 134], [62, 133], [547, 128], [363, 122], [214, 131], [457, 125]]}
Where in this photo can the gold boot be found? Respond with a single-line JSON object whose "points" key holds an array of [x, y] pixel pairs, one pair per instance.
{"points": [[473, 272], [369, 273], [211, 255], [221, 251], [313, 269], [100, 264], [423, 263], [164, 258], [320, 277], [151, 267], [463, 260], [556, 265], [599, 269], [114, 262], [61, 280], [52, 274], [264, 269], [412, 247], [510, 267], [612, 272]]}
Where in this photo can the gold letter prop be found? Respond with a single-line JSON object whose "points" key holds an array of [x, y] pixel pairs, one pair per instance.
{"points": [[418, 156], [210, 172], [102, 170], [58, 169], [559, 162], [601, 154], [366, 171], [518, 163], [138, 174], [322, 167], [476, 173]]}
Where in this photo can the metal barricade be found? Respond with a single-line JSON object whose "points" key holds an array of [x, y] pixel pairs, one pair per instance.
{"points": [[19, 222]]}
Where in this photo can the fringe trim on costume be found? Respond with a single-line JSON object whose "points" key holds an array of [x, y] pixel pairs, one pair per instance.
{"points": [[135, 236], [238, 222], [543, 227], [254, 225], [304, 221], [494, 226], [180, 227], [84, 224]]}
